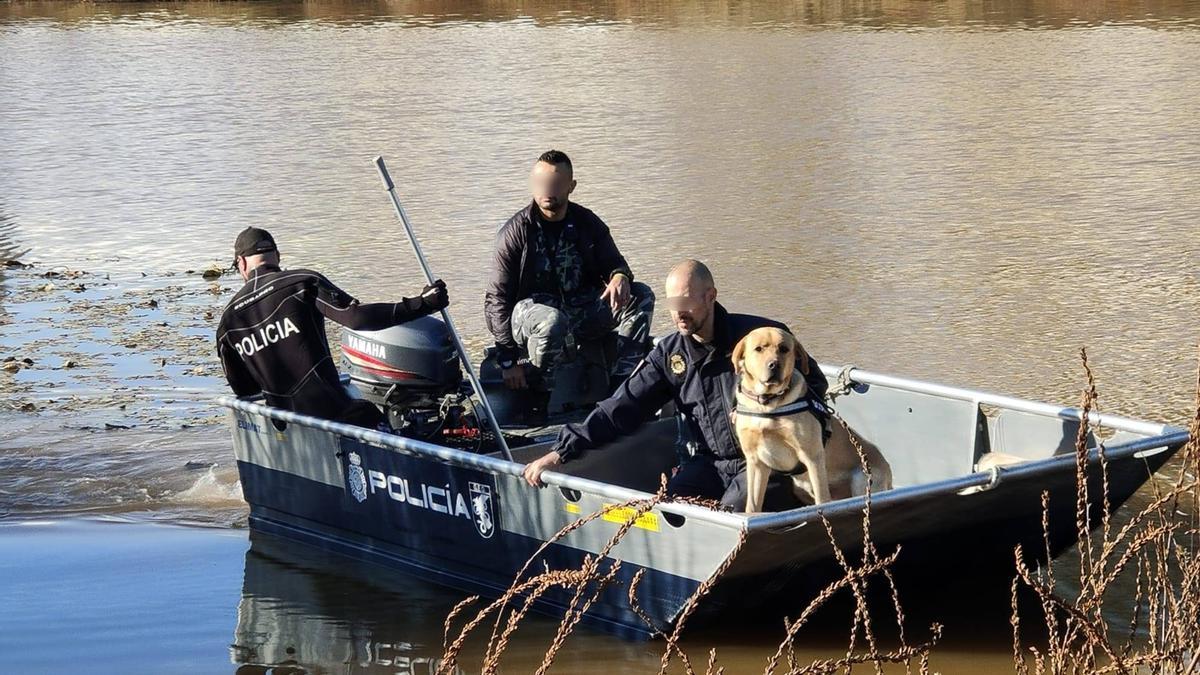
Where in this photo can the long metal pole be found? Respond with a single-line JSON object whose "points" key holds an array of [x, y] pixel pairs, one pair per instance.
{"points": [[462, 351]]}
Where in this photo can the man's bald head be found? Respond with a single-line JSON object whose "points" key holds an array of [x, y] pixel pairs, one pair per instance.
{"points": [[692, 273], [691, 297]]}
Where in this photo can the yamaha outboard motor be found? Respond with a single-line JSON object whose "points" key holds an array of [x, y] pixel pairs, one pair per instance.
{"points": [[411, 371]]}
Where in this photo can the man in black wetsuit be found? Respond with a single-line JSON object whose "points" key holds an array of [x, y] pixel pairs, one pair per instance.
{"points": [[692, 368], [271, 338]]}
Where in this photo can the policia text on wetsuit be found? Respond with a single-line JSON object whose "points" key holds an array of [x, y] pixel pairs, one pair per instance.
{"points": [[271, 338]]}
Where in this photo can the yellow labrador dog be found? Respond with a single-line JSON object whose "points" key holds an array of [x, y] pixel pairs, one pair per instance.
{"points": [[779, 431]]}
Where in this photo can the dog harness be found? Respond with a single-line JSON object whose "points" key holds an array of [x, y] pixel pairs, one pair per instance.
{"points": [[798, 406]]}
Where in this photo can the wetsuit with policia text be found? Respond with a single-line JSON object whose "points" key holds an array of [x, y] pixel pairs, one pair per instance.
{"points": [[271, 339]]}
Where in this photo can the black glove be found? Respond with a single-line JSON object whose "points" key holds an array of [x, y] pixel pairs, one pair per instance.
{"points": [[432, 299]]}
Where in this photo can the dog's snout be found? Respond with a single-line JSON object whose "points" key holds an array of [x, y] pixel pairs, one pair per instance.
{"points": [[772, 365]]}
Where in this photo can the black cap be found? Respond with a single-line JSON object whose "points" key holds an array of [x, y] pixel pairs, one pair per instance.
{"points": [[253, 241]]}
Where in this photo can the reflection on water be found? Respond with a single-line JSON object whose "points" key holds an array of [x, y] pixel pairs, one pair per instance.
{"points": [[301, 611], [726, 13], [318, 612], [9, 241], [8, 251]]}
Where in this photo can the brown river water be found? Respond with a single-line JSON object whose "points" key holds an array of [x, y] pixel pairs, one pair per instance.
{"points": [[963, 192]]}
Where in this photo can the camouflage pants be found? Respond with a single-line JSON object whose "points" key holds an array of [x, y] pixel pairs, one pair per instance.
{"points": [[542, 329]]}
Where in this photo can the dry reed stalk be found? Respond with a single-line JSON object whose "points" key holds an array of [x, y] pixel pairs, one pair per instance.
{"points": [[574, 612], [571, 527], [1018, 656], [454, 612], [450, 656], [1157, 546], [588, 583], [1078, 639], [491, 662], [820, 600], [572, 618], [712, 668], [672, 643], [692, 602], [903, 655], [577, 579]]}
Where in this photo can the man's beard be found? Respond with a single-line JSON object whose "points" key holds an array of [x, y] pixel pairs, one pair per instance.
{"points": [[689, 326]]}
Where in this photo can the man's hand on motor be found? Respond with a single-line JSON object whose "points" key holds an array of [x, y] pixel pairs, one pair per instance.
{"points": [[534, 470], [514, 378], [435, 297], [617, 292]]}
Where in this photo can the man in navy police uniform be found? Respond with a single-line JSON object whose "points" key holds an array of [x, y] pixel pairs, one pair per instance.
{"points": [[693, 369]]}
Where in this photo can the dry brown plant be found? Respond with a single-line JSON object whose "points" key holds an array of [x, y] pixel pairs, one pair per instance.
{"points": [[1155, 551], [1156, 547]]}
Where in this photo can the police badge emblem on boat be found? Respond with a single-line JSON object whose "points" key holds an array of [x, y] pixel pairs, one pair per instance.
{"points": [[484, 509], [356, 479]]}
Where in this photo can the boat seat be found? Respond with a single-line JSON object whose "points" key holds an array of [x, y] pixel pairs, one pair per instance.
{"points": [[924, 438], [1028, 436]]}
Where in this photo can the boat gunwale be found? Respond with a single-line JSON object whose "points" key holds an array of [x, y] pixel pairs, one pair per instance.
{"points": [[1159, 436], [955, 486], [1107, 421]]}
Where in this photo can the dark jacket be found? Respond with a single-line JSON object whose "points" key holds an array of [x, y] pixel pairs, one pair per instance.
{"points": [[698, 379], [512, 270], [271, 338]]}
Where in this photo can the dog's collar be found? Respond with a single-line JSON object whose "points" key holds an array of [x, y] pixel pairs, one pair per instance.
{"points": [[761, 399]]}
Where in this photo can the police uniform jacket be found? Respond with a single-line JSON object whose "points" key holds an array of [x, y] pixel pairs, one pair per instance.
{"points": [[699, 379]]}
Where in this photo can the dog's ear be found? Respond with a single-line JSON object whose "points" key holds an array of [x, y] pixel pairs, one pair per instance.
{"points": [[801, 355], [737, 355]]}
